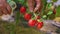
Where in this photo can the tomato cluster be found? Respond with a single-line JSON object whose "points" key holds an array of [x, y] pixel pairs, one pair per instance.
{"points": [[37, 19], [31, 22]]}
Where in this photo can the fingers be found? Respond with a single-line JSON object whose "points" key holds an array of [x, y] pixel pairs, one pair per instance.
{"points": [[4, 0], [38, 4], [31, 5], [4, 7], [9, 9], [4, 11]]}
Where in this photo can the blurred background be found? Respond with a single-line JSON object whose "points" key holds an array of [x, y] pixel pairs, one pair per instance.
{"points": [[18, 25]]}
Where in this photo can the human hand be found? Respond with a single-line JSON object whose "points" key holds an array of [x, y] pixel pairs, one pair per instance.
{"points": [[35, 5], [4, 7]]}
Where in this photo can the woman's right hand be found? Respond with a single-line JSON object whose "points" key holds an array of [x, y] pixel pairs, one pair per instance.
{"points": [[31, 4]]}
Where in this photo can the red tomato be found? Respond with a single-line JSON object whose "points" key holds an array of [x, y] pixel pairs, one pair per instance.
{"points": [[23, 10], [54, 11], [39, 25], [27, 16], [32, 22], [38, 17]]}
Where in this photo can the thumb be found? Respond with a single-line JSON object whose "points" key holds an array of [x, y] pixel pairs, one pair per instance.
{"points": [[9, 9]]}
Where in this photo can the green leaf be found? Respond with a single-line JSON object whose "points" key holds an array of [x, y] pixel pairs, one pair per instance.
{"points": [[44, 16], [49, 5], [50, 12]]}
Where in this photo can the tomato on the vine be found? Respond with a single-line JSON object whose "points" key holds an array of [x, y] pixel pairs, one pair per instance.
{"points": [[27, 16], [39, 25], [32, 22], [23, 10]]}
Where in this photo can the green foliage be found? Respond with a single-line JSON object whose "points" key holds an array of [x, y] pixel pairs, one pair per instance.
{"points": [[9, 28], [17, 17], [58, 11], [20, 1], [54, 0], [44, 3]]}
